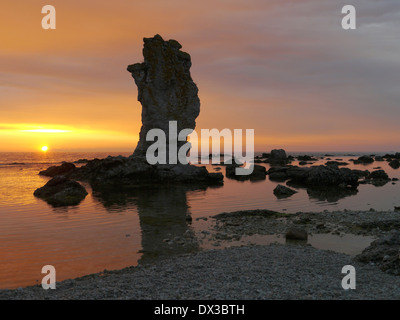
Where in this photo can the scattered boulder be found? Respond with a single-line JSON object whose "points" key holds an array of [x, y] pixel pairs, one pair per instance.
{"points": [[259, 173], [395, 164], [283, 192], [364, 160], [384, 252], [278, 156], [361, 173], [379, 158], [378, 175], [336, 163], [60, 191], [318, 176], [65, 169], [136, 171], [331, 194], [378, 178], [306, 158], [81, 161], [278, 173], [296, 233]]}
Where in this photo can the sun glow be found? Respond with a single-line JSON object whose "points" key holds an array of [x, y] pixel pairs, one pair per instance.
{"points": [[45, 148], [46, 131]]}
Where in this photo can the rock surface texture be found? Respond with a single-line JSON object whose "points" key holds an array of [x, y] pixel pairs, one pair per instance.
{"points": [[165, 89], [384, 252], [61, 191]]}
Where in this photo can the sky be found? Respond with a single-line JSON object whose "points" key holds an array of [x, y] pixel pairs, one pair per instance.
{"points": [[285, 68]]}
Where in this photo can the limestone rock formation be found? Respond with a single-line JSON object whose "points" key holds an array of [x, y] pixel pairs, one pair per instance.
{"points": [[167, 93], [165, 89]]}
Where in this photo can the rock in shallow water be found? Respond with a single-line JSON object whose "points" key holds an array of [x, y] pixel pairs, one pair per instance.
{"points": [[278, 156], [283, 192], [61, 191], [135, 171], [295, 233], [65, 169], [395, 164], [259, 173]]}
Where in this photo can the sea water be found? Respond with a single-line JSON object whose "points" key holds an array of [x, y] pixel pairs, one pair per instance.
{"points": [[113, 230]]}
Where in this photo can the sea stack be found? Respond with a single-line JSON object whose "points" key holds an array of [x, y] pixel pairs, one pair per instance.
{"points": [[167, 93], [165, 89]]}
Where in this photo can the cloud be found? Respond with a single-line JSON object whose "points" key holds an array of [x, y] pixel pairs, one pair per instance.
{"points": [[275, 66]]}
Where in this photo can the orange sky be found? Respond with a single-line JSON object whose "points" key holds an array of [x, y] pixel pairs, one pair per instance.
{"points": [[284, 68]]}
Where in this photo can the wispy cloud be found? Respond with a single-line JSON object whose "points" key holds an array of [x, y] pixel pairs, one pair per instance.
{"points": [[285, 68]]}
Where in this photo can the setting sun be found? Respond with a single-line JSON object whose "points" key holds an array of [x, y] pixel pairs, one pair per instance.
{"points": [[45, 148]]}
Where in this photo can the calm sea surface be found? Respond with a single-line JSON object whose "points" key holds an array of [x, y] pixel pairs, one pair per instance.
{"points": [[113, 230]]}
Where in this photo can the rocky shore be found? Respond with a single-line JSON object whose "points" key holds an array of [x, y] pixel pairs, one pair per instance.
{"points": [[276, 271]]}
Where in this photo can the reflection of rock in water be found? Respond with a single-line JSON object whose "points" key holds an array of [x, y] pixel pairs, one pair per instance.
{"points": [[164, 218], [332, 194]]}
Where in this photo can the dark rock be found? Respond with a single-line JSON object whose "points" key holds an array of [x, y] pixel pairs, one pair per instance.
{"points": [[165, 89], [361, 173], [283, 192], [81, 161], [306, 158], [278, 156], [295, 233], [395, 164], [378, 158], [278, 173], [331, 194], [336, 163], [61, 191], [364, 159], [384, 252], [65, 169], [379, 175], [323, 176], [136, 171], [259, 173]]}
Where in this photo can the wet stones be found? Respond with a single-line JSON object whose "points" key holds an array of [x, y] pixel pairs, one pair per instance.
{"points": [[283, 192], [65, 169], [61, 191]]}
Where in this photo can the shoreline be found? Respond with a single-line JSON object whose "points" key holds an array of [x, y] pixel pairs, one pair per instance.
{"points": [[275, 271]]}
